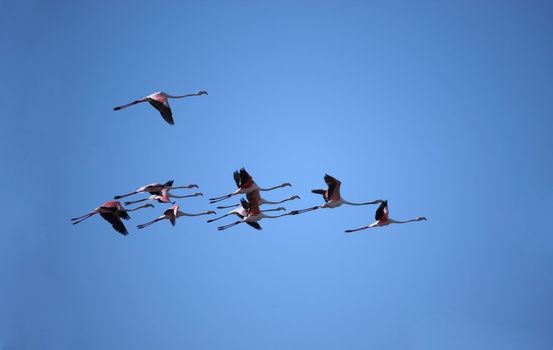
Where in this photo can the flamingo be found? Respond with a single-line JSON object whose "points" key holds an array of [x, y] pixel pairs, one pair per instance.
{"points": [[253, 215], [262, 201], [112, 212], [382, 218], [245, 185], [242, 212], [332, 196], [172, 214], [160, 101], [155, 189], [164, 197]]}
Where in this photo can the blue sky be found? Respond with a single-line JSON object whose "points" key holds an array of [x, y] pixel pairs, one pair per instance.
{"points": [[442, 108]]}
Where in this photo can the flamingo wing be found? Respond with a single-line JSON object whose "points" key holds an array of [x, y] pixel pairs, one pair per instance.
{"points": [[382, 212], [333, 186], [254, 225], [115, 222], [236, 176], [244, 177], [164, 109]]}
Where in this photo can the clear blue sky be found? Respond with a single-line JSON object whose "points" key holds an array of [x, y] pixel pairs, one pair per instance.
{"points": [[443, 108]]}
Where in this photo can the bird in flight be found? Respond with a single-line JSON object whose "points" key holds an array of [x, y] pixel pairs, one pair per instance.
{"points": [[262, 201], [164, 197], [242, 212], [112, 212], [155, 189], [172, 214], [245, 185], [383, 219], [332, 196], [253, 214], [160, 101]]}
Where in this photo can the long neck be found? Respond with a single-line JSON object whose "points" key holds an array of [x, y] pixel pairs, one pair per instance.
{"points": [[274, 217], [401, 222], [140, 207], [264, 201], [180, 213], [266, 210], [187, 95], [189, 195], [366, 203], [272, 188]]}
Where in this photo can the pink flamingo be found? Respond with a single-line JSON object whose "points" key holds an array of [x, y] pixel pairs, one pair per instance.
{"points": [[112, 212], [164, 197], [253, 215], [155, 189], [160, 101], [332, 196], [242, 212], [245, 185], [382, 218], [172, 214], [262, 201]]}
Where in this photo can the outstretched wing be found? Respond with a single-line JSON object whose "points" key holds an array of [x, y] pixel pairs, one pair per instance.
{"points": [[333, 185], [115, 222], [254, 225], [164, 109], [236, 176], [244, 204], [245, 178], [382, 212]]}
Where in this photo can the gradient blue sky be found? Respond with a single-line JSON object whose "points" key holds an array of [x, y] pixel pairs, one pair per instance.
{"points": [[443, 108]]}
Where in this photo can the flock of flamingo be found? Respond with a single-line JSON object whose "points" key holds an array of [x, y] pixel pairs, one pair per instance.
{"points": [[248, 210]]}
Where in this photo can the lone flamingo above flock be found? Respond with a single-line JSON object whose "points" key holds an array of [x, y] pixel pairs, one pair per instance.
{"points": [[160, 101]]}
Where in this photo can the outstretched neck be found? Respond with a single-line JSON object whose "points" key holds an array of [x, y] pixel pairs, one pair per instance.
{"points": [[139, 207], [401, 222], [366, 203], [181, 96]]}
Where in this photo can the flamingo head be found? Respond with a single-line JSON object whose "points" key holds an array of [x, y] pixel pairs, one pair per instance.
{"points": [[280, 209], [148, 205], [202, 92], [421, 218], [211, 212], [295, 197], [194, 186], [286, 184], [198, 194]]}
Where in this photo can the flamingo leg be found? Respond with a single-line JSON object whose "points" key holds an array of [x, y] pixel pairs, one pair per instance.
{"points": [[228, 206], [125, 195], [220, 217], [138, 201], [150, 222], [127, 105], [357, 229], [221, 228], [82, 218]]}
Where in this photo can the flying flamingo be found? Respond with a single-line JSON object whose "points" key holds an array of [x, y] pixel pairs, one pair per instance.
{"points": [[160, 101], [155, 189], [242, 212], [332, 196], [254, 214], [382, 218], [112, 212], [262, 201], [245, 185], [172, 214], [164, 197]]}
